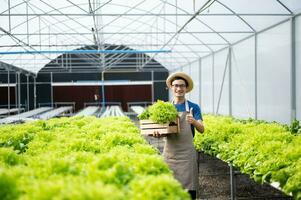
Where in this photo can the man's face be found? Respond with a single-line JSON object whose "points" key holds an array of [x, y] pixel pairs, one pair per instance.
{"points": [[178, 88]]}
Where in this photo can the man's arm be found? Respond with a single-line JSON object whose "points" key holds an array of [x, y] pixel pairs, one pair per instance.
{"points": [[194, 117], [198, 124]]}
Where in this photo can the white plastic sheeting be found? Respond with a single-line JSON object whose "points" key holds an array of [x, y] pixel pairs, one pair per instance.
{"points": [[207, 85], [261, 76], [195, 75], [200, 49], [221, 83], [243, 79], [141, 25], [274, 74]]}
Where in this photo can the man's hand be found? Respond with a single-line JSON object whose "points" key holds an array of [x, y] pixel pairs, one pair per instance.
{"points": [[197, 124], [156, 134], [189, 117]]}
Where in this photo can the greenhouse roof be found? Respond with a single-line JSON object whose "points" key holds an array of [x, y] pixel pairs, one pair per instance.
{"points": [[115, 57], [189, 29]]}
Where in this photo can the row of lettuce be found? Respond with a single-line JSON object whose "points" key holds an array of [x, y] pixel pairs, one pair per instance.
{"points": [[268, 152], [82, 158]]}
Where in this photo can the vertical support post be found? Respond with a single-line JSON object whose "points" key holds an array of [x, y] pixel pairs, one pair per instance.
{"points": [[34, 93], [176, 24], [223, 82], [137, 62], [213, 83], [164, 24], [8, 91], [16, 90], [49, 36], [19, 92], [232, 183], [40, 36], [293, 69], [51, 89], [153, 91], [9, 16], [200, 81], [230, 81], [189, 70], [256, 79], [70, 63], [27, 90], [103, 89], [157, 28], [27, 21]]}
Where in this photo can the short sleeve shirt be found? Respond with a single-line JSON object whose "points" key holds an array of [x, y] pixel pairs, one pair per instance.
{"points": [[196, 111]]}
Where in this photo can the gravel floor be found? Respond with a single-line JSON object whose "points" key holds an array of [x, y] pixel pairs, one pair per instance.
{"points": [[215, 183]]}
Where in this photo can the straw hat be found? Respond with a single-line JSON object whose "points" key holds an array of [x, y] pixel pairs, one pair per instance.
{"points": [[171, 77]]}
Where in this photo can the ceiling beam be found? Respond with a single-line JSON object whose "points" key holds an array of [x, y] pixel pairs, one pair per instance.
{"points": [[132, 33], [146, 14]]}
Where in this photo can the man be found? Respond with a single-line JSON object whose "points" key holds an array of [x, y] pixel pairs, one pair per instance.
{"points": [[179, 152]]}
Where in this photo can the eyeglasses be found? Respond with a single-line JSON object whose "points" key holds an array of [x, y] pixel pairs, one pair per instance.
{"points": [[179, 85]]}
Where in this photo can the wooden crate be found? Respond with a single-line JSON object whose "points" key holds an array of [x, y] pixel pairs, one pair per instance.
{"points": [[148, 127]]}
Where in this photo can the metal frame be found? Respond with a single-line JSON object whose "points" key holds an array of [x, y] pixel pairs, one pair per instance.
{"points": [[158, 35], [293, 67], [293, 70], [255, 76], [156, 15]]}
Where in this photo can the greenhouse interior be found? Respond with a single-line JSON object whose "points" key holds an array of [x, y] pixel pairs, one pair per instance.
{"points": [[78, 79]]}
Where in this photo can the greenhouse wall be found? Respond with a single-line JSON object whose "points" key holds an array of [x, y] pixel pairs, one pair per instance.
{"points": [[261, 83], [195, 75], [221, 83], [274, 74], [206, 85], [243, 79]]}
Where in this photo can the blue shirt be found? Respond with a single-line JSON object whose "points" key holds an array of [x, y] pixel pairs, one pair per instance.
{"points": [[196, 111]]}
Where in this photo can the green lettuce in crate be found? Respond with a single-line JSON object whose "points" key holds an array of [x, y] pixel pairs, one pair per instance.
{"points": [[144, 115], [160, 112]]}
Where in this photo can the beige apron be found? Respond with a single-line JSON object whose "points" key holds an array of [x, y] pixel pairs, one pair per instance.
{"points": [[180, 154]]}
